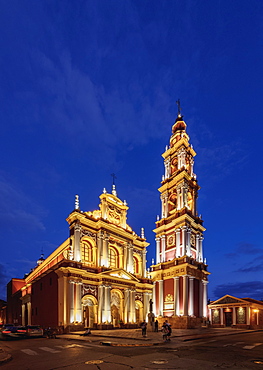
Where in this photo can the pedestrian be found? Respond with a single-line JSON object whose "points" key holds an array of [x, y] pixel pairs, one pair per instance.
{"points": [[156, 325], [165, 331], [144, 328]]}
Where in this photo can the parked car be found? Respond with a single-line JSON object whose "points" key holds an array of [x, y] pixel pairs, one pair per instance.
{"points": [[8, 331], [34, 331]]}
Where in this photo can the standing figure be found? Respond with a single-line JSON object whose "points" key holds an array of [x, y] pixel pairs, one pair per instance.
{"points": [[156, 325], [144, 328]]}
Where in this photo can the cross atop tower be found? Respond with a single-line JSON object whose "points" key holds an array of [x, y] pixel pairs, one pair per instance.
{"points": [[114, 177], [179, 108]]}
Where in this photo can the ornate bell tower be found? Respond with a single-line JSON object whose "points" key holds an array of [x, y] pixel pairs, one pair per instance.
{"points": [[180, 273]]}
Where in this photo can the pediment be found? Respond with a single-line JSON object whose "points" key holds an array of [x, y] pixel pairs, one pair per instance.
{"points": [[121, 274], [228, 299]]}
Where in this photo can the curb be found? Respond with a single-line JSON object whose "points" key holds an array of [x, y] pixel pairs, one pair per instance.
{"points": [[5, 359]]}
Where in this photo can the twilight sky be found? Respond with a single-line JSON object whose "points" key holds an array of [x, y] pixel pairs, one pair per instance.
{"points": [[88, 88]]}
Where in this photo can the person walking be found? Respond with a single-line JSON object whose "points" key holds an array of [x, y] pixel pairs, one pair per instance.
{"points": [[144, 328], [156, 326]]}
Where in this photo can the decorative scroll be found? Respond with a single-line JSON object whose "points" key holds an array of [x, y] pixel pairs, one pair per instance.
{"points": [[89, 234], [89, 289], [138, 296]]}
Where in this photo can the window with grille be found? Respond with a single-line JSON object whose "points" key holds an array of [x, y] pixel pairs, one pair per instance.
{"points": [[113, 258], [86, 252]]}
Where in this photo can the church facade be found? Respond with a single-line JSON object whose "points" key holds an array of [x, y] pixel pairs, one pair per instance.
{"points": [[96, 278], [180, 273]]}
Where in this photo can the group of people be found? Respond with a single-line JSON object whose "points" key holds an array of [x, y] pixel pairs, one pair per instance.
{"points": [[166, 329]]}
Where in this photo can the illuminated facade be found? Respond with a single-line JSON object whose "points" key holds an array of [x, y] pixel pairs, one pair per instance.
{"points": [[230, 311], [96, 278], [180, 274]]}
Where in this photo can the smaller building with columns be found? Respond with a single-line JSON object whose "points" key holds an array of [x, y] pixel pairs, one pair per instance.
{"points": [[230, 311], [96, 278]]}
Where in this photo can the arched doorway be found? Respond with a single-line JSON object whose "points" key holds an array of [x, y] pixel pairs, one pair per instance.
{"points": [[116, 307], [139, 312], [89, 304]]}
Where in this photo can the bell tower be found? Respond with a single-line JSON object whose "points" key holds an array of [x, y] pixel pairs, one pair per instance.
{"points": [[180, 273]]}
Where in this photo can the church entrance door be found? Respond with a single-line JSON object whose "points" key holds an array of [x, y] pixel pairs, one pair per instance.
{"points": [[115, 315], [228, 318]]}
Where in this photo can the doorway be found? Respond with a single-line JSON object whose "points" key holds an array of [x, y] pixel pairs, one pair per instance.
{"points": [[228, 318]]}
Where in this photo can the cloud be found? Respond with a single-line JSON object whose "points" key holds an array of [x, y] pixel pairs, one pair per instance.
{"points": [[250, 289], [3, 281], [244, 248], [17, 210], [253, 266]]}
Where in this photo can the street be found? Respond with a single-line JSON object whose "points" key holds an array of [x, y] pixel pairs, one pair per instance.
{"points": [[239, 351]]}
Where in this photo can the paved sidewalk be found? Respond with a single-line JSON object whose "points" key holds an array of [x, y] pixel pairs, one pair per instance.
{"points": [[134, 336]]}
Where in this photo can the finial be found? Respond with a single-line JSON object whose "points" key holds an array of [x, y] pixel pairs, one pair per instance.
{"points": [[157, 217], [124, 202], [104, 191], [152, 261], [114, 192], [166, 147], [179, 108], [76, 201], [142, 232], [162, 177], [114, 177]]}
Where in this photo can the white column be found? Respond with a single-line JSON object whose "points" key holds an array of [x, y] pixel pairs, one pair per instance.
{"points": [[101, 304], [126, 306], [184, 191], [160, 297], [201, 248], [163, 249], [29, 313], [177, 231], [99, 255], [184, 231], [104, 259], [144, 263], [146, 300], [132, 303], [221, 316], [154, 298], [158, 260], [234, 317], [77, 231], [191, 296], [185, 295], [248, 315], [71, 301], [130, 258], [23, 314], [197, 248], [107, 304], [78, 317], [188, 243], [205, 298], [176, 296], [163, 205]]}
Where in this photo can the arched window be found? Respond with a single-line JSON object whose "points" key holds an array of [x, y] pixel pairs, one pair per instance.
{"points": [[113, 258], [87, 255], [135, 266]]}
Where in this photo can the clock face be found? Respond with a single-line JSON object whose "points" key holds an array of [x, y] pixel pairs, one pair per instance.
{"points": [[171, 240]]}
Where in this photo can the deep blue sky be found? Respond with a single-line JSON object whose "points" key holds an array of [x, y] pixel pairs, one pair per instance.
{"points": [[88, 88]]}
